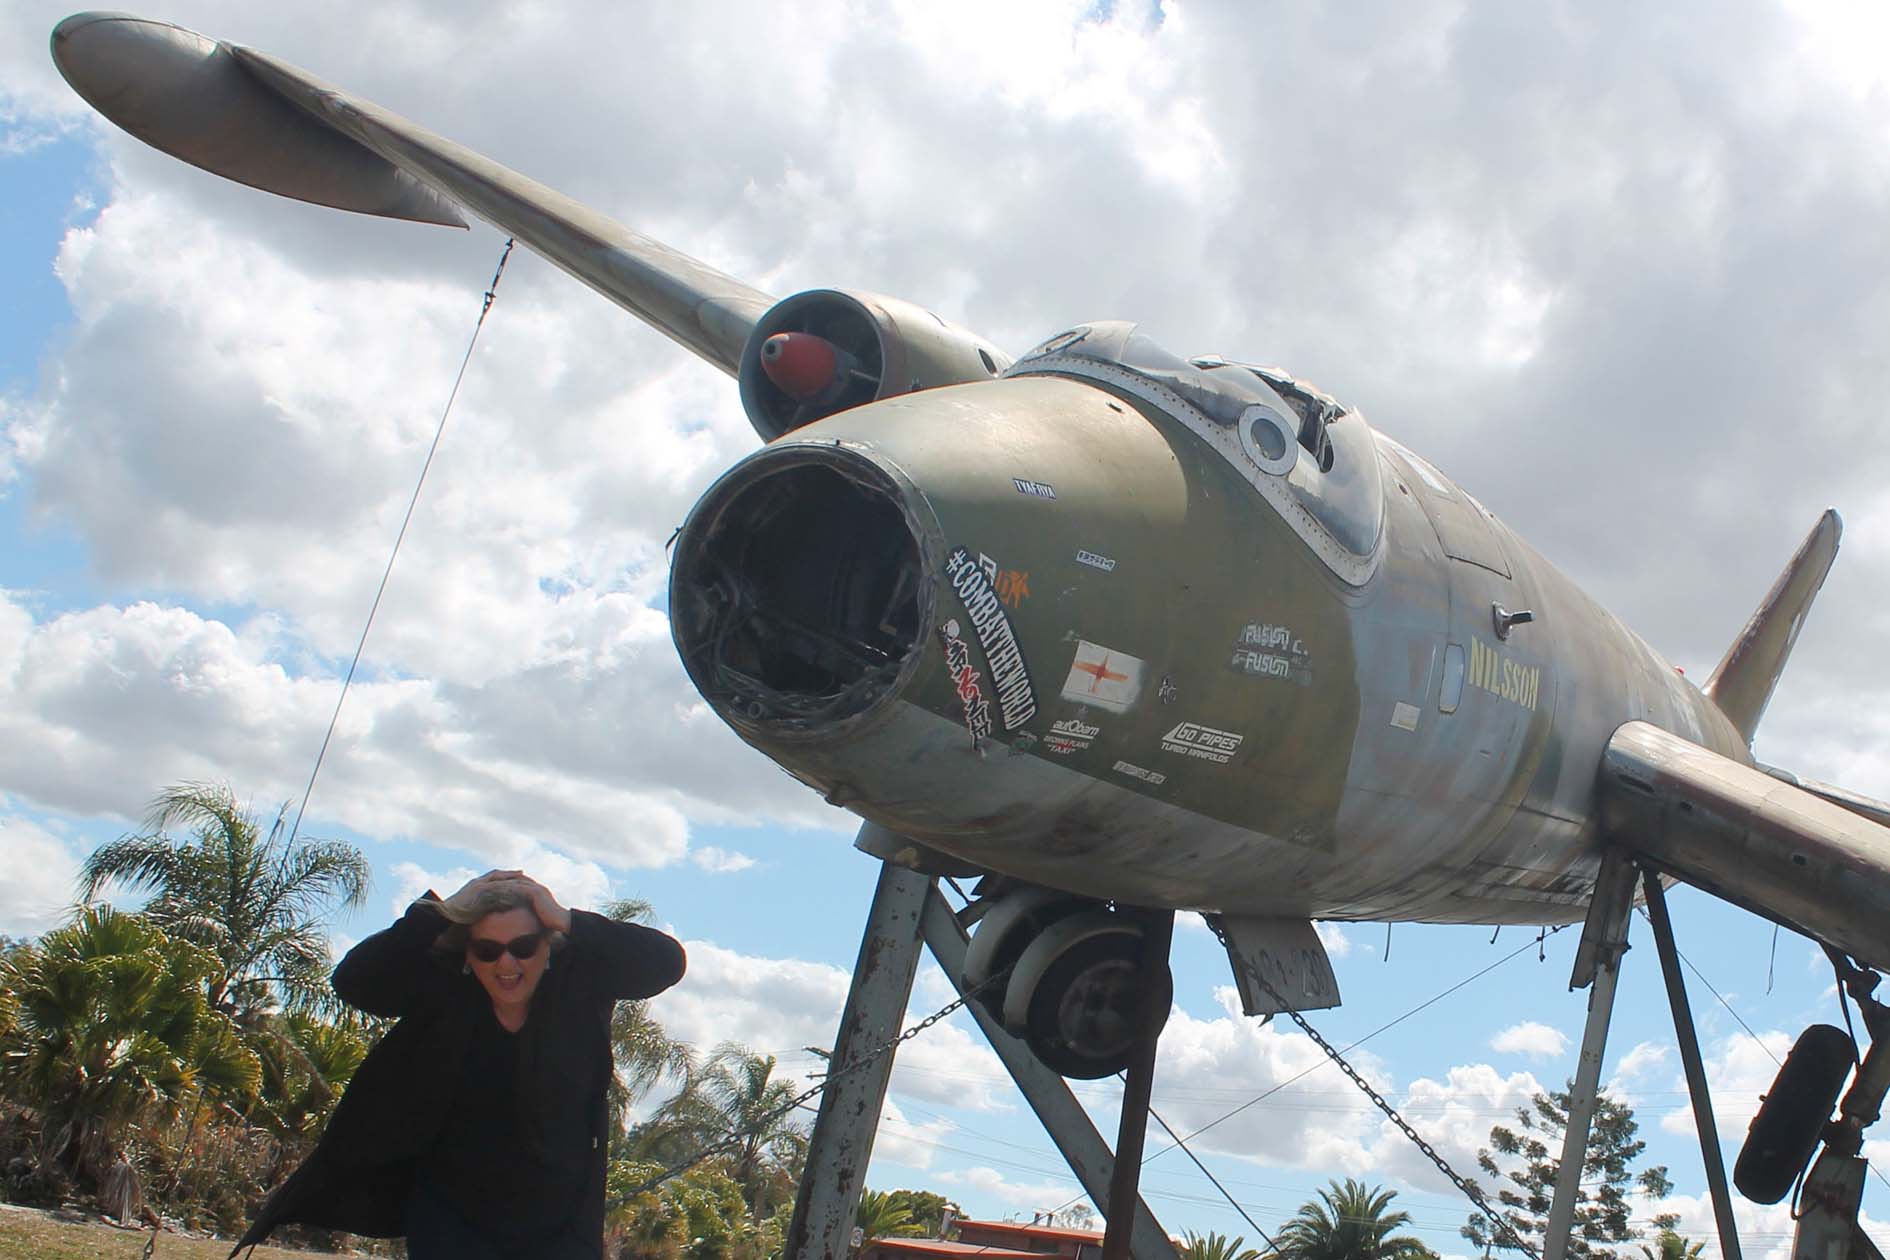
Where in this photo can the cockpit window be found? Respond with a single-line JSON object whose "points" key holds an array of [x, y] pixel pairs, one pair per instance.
{"points": [[1309, 456]]}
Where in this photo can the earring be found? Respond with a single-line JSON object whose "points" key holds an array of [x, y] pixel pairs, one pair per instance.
{"points": [[465, 969], [547, 964]]}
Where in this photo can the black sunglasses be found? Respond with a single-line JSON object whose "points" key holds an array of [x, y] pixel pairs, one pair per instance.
{"points": [[520, 947]]}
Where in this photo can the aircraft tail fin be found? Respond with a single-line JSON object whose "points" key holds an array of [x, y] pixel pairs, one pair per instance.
{"points": [[1742, 683]]}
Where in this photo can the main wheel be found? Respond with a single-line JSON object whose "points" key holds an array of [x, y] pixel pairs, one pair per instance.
{"points": [[1074, 993], [1017, 919]]}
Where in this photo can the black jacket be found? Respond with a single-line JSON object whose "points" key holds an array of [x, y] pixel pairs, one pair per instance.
{"points": [[361, 1173]]}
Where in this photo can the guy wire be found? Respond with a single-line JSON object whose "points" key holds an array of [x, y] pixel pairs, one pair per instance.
{"points": [[485, 308]]}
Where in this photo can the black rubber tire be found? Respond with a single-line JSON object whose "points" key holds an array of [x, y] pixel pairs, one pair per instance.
{"points": [[1044, 1035], [1792, 1114], [1017, 939]]}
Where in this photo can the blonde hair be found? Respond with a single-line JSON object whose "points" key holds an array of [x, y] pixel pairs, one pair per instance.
{"points": [[467, 906]]}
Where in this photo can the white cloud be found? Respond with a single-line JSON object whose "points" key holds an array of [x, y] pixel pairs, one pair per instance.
{"points": [[1455, 1116], [1334, 938], [1538, 1041], [1738, 1071], [718, 861], [1014, 1191], [1640, 1062], [39, 874], [910, 1144]]}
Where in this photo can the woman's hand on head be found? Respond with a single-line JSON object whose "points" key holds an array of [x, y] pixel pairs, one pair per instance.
{"points": [[544, 905]]}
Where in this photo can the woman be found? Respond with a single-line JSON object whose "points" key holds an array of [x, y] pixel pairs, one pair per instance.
{"points": [[478, 1126]]}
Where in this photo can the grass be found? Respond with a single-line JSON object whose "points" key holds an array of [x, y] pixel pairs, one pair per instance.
{"points": [[32, 1234]]}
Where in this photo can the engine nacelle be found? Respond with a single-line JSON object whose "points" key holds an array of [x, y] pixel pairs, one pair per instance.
{"points": [[885, 346]]}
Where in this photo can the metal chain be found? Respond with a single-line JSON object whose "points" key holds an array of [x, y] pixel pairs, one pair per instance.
{"points": [[872, 1056], [1469, 1188]]}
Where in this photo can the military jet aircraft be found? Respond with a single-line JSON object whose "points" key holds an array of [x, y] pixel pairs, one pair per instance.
{"points": [[1111, 626]]}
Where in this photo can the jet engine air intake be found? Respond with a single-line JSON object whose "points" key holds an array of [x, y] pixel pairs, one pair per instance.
{"points": [[826, 350], [795, 597]]}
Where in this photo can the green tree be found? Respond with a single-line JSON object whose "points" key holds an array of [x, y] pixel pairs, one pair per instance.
{"points": [[927, 1209], [882, 1215], [1669, 1245], [1215, 1247], [113, 1028], [699, 1215], [254, 901], [644, 1052], [1349, 1222], [1524, 1161], [735, 1097]]}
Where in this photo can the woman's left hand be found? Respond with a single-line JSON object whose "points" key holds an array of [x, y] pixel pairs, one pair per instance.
{"points": [[544, 905]]}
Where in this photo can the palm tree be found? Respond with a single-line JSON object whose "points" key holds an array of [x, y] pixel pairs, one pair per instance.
{"points": [[1669, 1245], [113, 1028], [644, 1053], [1349, 1222], [883, 1215], [735, 1097], [254, 901], [1215, 1247]]}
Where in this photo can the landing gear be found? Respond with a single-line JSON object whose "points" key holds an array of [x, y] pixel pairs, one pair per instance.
{"points": [[1064, 974]]}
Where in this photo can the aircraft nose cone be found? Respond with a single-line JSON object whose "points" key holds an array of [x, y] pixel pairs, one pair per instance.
{"points": [[124, 65]]}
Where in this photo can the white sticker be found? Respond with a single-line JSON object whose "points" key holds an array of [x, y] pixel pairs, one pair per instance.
{"points": [[1035, 489], [1103, 677], [1070, 735], [1191, 739], [1095, 561], [1404, 716], [1153, 777]]}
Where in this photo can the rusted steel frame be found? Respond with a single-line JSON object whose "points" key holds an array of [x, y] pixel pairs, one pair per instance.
{"points": [[1695, 1068], [828, 1199], [1598, 961], [1151, 1012], [1062, 1117]]}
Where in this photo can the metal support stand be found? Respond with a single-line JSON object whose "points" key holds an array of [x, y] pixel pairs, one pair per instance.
{"points": [[1690, 1060], [1151, 1013], [1834, 1189], [1597, 963], [842, 1141], [1062, 1117]]}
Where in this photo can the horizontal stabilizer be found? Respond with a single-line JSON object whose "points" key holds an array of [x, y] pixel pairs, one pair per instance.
{"points": [[263, 122], [1742, 683], [1752, 839]]}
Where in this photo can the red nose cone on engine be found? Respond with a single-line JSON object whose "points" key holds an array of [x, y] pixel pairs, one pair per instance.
{"points": [[801, 365]]}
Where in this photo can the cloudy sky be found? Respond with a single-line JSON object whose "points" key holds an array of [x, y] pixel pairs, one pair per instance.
{"points": [[1622, 269]]}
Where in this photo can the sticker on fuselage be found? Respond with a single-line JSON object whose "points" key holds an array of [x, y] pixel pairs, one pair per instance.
{"points": [[1404, 716], [1495, 673], [964, 676], [1095, 561], [1070, 735], [1264, 650], [1011, 585], [1103, 677], [1154, 778], [1010, 677], [1191, 739], [1035, 489]]}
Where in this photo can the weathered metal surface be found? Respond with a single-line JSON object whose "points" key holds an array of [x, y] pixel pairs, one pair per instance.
{"points": [[1695, 1067], [1745, 836], [188, 96], [1125, 1179], [261, 121], [1742, 683], [1063, 1118], [1289, 953], [1605, 937], [841, 1145], [1189, 669]]}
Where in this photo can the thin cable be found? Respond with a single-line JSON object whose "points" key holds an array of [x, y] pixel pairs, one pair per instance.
{"points": [[440, 429], [1232, 1202]]}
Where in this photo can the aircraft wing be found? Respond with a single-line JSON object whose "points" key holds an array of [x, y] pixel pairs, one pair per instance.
{"points": [[252, 118], [1751, 838]]}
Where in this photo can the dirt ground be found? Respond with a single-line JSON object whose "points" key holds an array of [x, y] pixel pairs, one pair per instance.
{"points": [[32, 1234]]}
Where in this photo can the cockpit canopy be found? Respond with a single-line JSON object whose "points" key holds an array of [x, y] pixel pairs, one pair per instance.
{"points": [[1312, 459]]}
